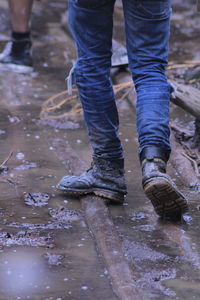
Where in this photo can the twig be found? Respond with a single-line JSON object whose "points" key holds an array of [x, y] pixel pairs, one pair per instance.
{"points": [[179, 130], [32, 197], [193, 162], [49, 105], [125, 94], [11, 182], [180, 66], [5, 161]]}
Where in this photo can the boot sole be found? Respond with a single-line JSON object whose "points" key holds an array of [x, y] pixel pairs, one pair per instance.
{"points": [[166, 199], [114, 196]]}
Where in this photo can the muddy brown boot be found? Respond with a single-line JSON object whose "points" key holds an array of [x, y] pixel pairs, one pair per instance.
{"points": [[167, 200], [105, 179]]}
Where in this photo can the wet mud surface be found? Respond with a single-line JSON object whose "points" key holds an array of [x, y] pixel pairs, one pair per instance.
{"points": [[46, 249]]}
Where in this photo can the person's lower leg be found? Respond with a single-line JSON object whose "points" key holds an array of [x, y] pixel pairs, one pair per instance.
{"points": [[20, 12], [147, 40], [92, 71], [17, 53]]}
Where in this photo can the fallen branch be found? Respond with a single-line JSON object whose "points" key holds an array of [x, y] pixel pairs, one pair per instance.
{"points": [[184, 65], [187, 97], [100, 224], [183, 165]]}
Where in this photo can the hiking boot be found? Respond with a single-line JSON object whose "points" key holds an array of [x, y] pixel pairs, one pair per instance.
{"points": [[167, 200], [17, 56], [105, 178]]}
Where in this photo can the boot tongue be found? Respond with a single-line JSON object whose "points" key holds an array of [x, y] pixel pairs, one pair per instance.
{"points": [[109, 164]]}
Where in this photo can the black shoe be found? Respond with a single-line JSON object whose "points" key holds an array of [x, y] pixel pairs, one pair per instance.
{"points": [[17, 55], [167, 200], [105, 179]]}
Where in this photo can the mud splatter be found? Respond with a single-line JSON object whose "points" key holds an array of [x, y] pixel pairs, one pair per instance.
{"points": [[138, 216], [154, 279], [65, 215], [36, 199], [26, 166], [50, 225], [25, 238], [137, 252]]}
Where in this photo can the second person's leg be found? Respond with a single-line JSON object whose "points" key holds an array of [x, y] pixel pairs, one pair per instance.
{"points": [[20, 12], [17, 54]]}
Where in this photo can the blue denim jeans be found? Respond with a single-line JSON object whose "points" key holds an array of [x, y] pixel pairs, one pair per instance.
{"points": [[147, 30]]}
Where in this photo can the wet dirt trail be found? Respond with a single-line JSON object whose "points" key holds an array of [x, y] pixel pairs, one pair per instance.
{"points": [[49, 248]]}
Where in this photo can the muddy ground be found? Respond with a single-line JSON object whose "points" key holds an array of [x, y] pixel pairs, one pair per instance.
{"points": [[49, 248]]}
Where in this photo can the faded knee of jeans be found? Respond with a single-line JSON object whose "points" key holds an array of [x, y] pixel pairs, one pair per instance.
{"points": [[93, 73]]}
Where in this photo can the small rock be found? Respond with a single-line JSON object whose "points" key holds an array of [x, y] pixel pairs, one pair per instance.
{"points": [[20, 156], [54, 259]]}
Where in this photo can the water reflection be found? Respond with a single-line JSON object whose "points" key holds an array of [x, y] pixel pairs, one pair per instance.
{"points": [[20, 273]]}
